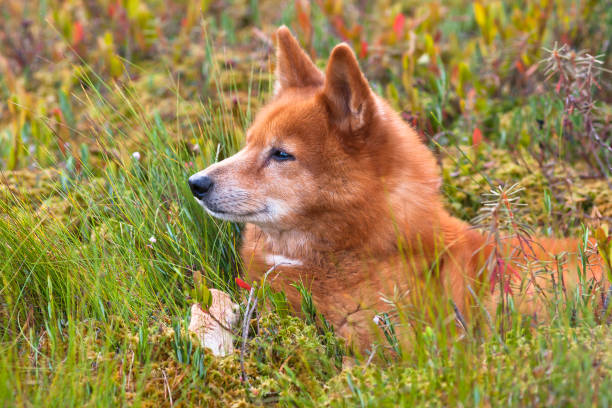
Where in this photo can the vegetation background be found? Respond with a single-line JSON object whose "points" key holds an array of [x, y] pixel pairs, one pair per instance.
{"points": [[107, 106]]}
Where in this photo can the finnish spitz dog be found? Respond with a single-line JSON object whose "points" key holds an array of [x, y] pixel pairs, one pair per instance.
{"points": [[340, 194]]}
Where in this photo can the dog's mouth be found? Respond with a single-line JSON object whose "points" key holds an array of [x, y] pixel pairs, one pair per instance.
{"points": [[224, 214]]}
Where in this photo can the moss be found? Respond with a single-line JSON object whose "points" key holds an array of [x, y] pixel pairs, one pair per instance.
{"points": [[465, 174], [30, 186], [285, 348]]}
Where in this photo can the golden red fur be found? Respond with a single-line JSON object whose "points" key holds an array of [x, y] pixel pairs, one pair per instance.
{"points": [[341, 194]]}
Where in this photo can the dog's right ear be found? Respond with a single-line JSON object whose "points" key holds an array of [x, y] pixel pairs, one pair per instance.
{"points": [[294, 69], [346, 91]]}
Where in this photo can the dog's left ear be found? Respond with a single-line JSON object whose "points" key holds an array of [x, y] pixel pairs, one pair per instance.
{"points": [[346, 91], [294, 68]]}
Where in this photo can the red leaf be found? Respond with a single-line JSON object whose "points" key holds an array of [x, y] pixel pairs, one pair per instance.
{"points": [[303, 15], [476, 137], [77, 33], [243, 284], [364, 49], [340, 27], [519, 65], [398, 24], [112, 9], [58, 114]]}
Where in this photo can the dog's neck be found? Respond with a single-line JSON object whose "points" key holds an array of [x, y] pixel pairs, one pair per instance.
{"points": [[320, 247], [292, 244]]}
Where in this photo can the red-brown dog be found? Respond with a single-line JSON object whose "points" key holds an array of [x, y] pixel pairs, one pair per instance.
{"points": [[340, 194]]}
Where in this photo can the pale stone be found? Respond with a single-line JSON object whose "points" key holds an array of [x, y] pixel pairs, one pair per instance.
{"points": [[205, 324]]}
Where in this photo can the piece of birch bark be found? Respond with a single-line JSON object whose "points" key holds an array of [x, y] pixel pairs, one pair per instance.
{"points": [[213, 326]]}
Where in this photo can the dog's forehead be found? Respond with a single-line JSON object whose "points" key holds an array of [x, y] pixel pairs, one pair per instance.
{"points": [[284, 120]]}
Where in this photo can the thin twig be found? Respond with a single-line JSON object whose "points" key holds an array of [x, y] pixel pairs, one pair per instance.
{"points": [[459, 316], [129, 376], [245, 333], [370, 357], [168, 387]]}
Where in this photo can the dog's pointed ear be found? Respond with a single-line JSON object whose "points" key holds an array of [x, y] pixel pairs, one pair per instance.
{"points": [[346, 91], [294, 69]]}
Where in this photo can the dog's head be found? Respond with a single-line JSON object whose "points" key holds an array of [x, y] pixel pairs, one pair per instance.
{"points": [[320, 146]]}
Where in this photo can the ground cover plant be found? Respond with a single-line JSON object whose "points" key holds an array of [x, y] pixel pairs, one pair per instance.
{"points": [[107, 106]]}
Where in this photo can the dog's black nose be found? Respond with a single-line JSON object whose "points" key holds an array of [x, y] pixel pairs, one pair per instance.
{"points": [[200, 185]]}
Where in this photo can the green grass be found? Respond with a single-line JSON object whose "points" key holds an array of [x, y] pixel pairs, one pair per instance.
{"points": [[98, 249]]}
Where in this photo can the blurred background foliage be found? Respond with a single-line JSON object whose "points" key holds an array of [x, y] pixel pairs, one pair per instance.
{"points": [[453, 69]]}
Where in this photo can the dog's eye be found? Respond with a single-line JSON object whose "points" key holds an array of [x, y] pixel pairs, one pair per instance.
{"points": [[280, 155]]}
